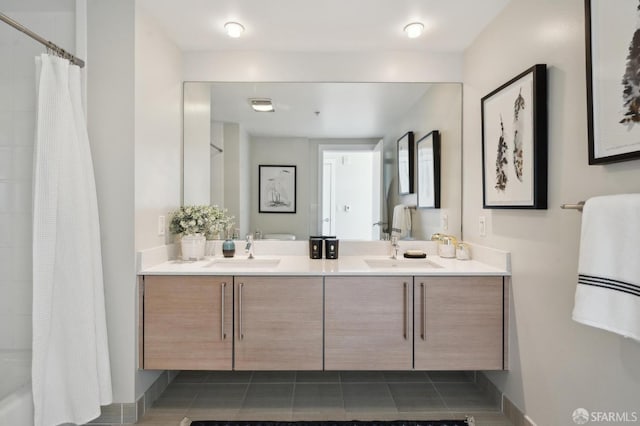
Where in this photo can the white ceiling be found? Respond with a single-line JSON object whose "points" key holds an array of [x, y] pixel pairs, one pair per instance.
{"points": [[323, 25], [37, 6], [346, 110]]}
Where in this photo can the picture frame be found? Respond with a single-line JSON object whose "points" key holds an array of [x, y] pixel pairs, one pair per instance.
{"points": [[613, 102], [277, 188], [514, 142], [405, 145], [428, 165]]}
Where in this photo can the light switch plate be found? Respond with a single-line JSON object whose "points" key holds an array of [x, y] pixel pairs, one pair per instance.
{"points": [[161, 225], [482, 226]]}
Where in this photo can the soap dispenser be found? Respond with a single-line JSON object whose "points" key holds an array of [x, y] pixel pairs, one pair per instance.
{"points": [[447, 246], [228, 247]]}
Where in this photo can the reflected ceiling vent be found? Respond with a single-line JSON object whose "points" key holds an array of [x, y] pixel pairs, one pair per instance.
{"points": [[261, 104]]}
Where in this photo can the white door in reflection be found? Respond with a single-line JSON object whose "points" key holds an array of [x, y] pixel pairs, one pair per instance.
{"points": [[351, 193], [328, 197]]}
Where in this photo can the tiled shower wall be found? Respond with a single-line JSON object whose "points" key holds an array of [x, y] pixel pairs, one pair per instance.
{"points": [[17, 123]]}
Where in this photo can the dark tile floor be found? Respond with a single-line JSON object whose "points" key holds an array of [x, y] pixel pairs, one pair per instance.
{"points": [[349, 395]]}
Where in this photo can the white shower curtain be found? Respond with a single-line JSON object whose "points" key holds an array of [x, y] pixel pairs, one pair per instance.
{"points": [[71, 376]]}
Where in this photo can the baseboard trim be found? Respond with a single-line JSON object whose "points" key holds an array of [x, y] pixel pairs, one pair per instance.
{"points": [[508, 408], [127, 413]]}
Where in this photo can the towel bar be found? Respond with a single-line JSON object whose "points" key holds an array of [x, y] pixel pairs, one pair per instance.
{"points": [[577, 206]]}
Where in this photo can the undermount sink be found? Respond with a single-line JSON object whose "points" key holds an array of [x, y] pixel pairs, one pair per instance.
{"points": [[243, 263], [401, 264]]}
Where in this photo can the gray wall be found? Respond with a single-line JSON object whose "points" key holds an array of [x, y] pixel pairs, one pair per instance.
{"points": [[557, 365], [236, 175], [439, 109], [158, 135], [134, 122], [111, 100], [303, 153], [289, 152]]}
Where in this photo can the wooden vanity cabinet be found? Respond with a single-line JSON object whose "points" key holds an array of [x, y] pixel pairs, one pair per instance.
{"points": [[458, 323], [368, 323], [278, 323], [314, 323], [188, 322]]}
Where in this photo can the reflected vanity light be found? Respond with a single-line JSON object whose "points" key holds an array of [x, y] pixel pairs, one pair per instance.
{"points": [[414, 29], [233, 29], [261, 105]]}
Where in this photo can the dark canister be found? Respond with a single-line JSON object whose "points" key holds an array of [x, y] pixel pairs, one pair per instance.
{"points": [[315, 247], [331, 248]]}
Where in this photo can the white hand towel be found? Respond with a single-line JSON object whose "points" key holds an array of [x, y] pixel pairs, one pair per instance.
{"points": [[608, 291], [401, 226]]}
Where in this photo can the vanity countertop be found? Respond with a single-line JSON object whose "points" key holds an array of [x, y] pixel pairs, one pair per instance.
{"points": [[345, 265]]}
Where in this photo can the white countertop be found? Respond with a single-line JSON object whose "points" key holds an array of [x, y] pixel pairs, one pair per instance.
{"points": [[345, 265]]}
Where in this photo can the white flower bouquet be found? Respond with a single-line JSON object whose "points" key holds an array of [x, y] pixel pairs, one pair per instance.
{"points": [[204, 220]]}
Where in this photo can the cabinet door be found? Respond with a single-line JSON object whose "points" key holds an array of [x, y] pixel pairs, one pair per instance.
{"points": [[278, 323], [368, 323], [188, 322], [458, 323]]}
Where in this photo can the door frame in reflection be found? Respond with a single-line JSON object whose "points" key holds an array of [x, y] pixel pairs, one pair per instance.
{"points": [[339, 198]]}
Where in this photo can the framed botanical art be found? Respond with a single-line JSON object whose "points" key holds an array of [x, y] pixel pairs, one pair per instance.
{"points": [[514, 142], [277, 189], [405, 164], [428, 154], [613, 80]]}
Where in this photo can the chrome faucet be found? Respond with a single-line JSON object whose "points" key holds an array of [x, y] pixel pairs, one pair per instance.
{"points": [[249, 247], [394, 245]]}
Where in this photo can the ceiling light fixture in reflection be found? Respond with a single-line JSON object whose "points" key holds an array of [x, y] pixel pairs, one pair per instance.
{"points": [[414, 29], [233, 29]]}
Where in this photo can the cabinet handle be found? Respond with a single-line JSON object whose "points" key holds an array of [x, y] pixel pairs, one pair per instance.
{"points": [[240, 333], [424, 312], [406, 306], [223, 287]]}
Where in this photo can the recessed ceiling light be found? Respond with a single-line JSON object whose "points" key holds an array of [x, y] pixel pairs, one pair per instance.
{"points": [[414, 29], [234, 29], [261, 105]]}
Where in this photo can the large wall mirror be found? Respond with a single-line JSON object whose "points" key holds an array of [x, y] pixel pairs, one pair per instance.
{"points": [[341, 138]]}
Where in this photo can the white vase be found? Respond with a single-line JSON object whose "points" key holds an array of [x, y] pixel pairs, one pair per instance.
{"points": [[192, 246]]}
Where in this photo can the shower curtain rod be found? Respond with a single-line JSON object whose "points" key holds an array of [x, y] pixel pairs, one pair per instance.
{"points": [[52, 46]]}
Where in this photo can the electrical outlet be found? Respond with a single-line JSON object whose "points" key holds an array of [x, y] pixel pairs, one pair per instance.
{"points": [[482, 226], [161, 225], [445, 221]]}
